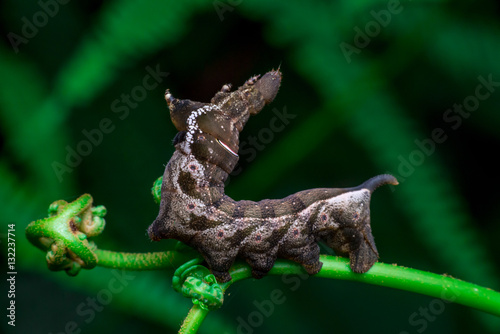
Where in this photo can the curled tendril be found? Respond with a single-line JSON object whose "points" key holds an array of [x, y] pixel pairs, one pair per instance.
{"points": [[196, 282], [64, 234], [156, 190]]}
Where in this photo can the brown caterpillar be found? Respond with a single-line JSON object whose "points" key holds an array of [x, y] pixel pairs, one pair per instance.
{"points": [[195, 210]]}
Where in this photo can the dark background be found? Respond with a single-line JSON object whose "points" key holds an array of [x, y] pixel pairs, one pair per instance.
{"points": [[356, 114]]}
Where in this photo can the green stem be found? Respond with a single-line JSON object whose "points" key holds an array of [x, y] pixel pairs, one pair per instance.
{"points": [[143, 261], [193, 320], [444, 287], [439, 286], [434, 285]]}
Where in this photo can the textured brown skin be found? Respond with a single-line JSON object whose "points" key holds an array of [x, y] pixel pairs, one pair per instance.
{"points": [[195, 210]]}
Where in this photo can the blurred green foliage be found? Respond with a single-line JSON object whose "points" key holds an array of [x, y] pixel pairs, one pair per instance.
{"points": [[369, 87]]}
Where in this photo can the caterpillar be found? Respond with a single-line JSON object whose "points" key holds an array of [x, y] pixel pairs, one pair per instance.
{"points": [[195, 210]]}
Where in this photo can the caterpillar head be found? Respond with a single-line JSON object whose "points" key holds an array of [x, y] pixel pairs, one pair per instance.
{"points": [[217, 124]]}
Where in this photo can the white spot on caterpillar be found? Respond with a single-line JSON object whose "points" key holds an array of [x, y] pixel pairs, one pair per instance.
{"points": [[193, 126]]}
